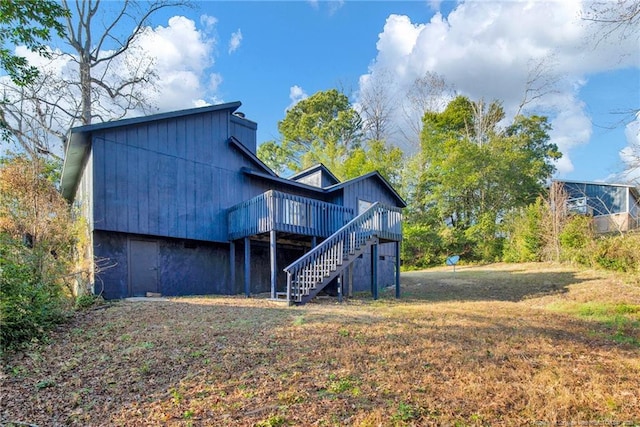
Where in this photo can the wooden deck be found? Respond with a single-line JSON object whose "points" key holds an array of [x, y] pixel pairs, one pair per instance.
{"points": [[282, 212]]}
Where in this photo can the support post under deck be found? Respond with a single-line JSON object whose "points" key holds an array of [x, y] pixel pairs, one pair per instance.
{"points": [[374, 271], [247, 266], [232, 264], [274, 263], [397, 269]]}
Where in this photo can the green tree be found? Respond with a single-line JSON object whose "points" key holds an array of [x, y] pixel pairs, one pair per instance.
{"points": [[474, 171], [29, 23], [374, 155], [323, 128], [274, 156]]}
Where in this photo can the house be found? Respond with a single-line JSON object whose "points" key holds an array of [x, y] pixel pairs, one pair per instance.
{"points": [[614, 207], [178, 204]]}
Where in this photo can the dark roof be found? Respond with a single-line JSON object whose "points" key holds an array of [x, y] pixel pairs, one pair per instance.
{"points": [[604, 184], [314, 169], [372, 175], [284, 181], [78, 144]]}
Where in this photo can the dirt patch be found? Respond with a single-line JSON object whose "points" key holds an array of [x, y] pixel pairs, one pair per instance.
{"points": [[502, 344]]}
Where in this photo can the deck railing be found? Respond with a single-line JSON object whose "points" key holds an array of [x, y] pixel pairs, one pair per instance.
{"points": [[311, 269], [288, 213]]}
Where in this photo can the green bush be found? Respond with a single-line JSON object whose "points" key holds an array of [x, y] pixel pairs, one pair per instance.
{"points": [[421, 246], [525, 239], [577, 240], [30, 302], [619, 253]]}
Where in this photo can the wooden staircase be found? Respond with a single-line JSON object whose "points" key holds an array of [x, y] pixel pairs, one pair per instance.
{"points": [[317, 268]]}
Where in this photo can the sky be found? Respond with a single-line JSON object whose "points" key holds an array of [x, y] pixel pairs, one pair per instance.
{"points": [[270, 55]]}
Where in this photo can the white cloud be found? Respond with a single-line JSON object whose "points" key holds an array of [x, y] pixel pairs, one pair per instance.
{"points": [[177, 58], [490, 49], [333, 5], [208, 22], [296, 94], [236, 39], [182, 58], [630, 155]]}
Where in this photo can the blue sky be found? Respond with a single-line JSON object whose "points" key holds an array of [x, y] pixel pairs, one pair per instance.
{"points": [[269, 55], [321, 45]]}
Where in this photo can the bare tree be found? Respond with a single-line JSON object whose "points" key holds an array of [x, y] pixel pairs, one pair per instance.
{"points": [[541, 81], [619, 17], [485, 120], [378, 104], [429, 92], [554, 220], [106, 75]]}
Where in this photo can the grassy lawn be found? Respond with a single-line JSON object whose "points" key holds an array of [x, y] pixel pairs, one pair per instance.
{"points": [[533, 344]]}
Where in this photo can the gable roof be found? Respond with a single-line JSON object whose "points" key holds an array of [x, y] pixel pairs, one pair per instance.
{"points": [[327, 190], [78, 144], [371, 175], [313, 169]]}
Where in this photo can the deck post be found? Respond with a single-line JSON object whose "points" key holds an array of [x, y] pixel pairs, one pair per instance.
{"points": [[340, 288], [314, 242], [397, 269], [232, 264], [274, 266], [350, 284], [247, 266], [374, 271]]}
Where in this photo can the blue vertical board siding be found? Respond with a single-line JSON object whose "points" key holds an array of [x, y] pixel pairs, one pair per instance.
{"points": [[244, 131], [144, 187], [121, 178], [110, 196], [192, 188], [134, 210], [152, 168], [176, 178]]}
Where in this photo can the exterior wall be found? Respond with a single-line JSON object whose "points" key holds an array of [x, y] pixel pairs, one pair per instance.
{"points": [[172, 178], [314, 179], [245, 131], [183, 269], [187, 267], [370, 190], [615, 223], [386, 269]]}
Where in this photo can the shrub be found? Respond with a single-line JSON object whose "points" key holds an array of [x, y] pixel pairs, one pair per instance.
{"points": [[525, 239], [30, 302], [577, 240], [619, 253], [39, 242], [421, 246]]}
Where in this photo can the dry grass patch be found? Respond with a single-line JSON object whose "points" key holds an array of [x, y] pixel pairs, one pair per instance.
{"points": [[500, 344]]}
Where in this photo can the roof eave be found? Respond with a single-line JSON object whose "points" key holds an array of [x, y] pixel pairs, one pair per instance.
{"points": [[75, 157]]}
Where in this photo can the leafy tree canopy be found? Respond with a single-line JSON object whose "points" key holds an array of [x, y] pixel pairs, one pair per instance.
{"points": [[323, 128], [474, 170], [29, 23]]}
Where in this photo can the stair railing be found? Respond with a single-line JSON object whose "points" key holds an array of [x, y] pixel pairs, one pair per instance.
{"points": [[309, 271]]}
